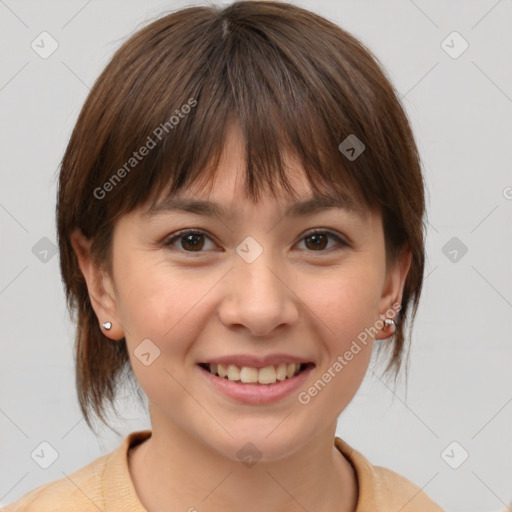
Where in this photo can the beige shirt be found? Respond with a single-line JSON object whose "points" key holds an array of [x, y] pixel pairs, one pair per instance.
{"points": [[105, 485]]}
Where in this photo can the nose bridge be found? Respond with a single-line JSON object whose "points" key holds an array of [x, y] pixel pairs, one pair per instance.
{"points": [[258, 298], [257, 276]]}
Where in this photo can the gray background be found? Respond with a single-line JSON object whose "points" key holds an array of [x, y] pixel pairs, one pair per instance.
{"points": [[460, 379]]}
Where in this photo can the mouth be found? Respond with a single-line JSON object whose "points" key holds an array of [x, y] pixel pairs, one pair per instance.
{"points": [[266, 376]]}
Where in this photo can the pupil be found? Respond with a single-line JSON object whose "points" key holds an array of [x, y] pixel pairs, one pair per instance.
{"points": [[318, 239], [193, 240]]}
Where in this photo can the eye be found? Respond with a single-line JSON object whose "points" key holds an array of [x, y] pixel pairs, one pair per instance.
{"points": [[193, 240], [319, 239]]}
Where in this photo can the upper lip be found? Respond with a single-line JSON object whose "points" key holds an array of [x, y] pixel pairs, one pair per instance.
{"points": [[257, 361]]}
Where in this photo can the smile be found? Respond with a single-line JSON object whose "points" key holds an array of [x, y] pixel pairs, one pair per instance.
{"points": [[248, 375]]}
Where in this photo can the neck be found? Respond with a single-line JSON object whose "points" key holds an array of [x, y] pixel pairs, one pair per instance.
{"points": [[173, 471]]}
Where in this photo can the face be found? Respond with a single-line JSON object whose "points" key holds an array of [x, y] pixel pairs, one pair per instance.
{"points": [[255, 289]]}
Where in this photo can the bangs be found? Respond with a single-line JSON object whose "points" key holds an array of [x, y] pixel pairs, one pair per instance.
{"points": [[285, 104]]}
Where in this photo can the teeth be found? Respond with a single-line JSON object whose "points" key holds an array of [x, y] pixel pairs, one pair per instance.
{"points": [[233, 372], [281, 372], [267, 375], [222, 370], [248, 375]]}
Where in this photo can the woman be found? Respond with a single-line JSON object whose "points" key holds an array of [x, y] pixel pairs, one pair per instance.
{"points": [[240, 219]]}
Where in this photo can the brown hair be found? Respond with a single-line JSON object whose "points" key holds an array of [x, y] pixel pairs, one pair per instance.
{"points": [[293, 81]]}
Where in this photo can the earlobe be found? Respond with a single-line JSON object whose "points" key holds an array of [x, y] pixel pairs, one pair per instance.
{"points": [[98, 284]]}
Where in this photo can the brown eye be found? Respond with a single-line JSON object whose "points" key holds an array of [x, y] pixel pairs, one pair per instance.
{"points": [[192, 242], [319, 240], [187, 241]]}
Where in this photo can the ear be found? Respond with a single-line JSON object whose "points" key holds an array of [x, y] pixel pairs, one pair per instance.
{"points": [[392, 292], [99, 286]]}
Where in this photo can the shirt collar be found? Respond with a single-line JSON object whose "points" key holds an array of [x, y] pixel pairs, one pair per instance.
{"points": [[119, 491]]}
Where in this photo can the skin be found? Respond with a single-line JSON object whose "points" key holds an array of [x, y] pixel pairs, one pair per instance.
{"points": [[291, 299]]}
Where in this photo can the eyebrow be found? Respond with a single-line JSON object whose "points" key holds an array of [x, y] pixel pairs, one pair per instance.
{"points": [[209, 208]]}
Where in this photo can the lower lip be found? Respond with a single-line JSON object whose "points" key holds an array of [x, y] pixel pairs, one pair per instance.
{"points": [[257, 393]]}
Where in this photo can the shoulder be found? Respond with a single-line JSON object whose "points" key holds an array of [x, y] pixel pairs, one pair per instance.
{"points": [[81, 490], [104, 484], [383, 489], [399, 493]]}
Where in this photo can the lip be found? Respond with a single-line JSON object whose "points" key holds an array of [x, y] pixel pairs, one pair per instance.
{"points": [[256, 394], [257, 361]]}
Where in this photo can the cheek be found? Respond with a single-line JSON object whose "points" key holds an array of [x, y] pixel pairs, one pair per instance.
{"points": [[161, 302], [165, 305], [345, 300], [346, 306]]}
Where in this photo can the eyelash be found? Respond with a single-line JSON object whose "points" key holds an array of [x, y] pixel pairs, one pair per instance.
{"points": [[183, 233]]}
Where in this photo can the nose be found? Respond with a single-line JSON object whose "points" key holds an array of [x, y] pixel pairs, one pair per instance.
{"points": [[258, 297]]}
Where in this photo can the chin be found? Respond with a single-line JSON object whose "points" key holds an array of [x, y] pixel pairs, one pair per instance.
{"points": [[258, 442]]}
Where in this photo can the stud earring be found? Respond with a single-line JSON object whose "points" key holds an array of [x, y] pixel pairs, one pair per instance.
{"points": [[390, 322], [107, 326]]}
